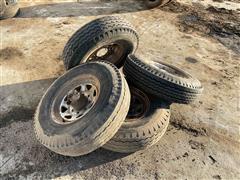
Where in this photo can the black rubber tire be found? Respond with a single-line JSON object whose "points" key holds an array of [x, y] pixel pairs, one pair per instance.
{"points": [[158, 82], [98, 33], [142, 132], [95, 128], [7, 9], [156, 3]]}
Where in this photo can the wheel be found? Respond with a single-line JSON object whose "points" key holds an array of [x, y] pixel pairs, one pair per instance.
{"points": [[146, 122], [108, 38], [82, 109], [162, 80], [8, 8], [156, 3]]}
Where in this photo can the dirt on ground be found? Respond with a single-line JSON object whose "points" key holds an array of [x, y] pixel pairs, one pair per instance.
{"points": [[219, 23], [203, 139], [10, 52]]}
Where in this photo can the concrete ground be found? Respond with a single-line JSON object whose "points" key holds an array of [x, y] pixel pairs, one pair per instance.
{"points": [[203, 139]]}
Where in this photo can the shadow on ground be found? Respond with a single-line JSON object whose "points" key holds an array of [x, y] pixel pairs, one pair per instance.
{"points": [[19, 101], [49, 165], [72, 9]]}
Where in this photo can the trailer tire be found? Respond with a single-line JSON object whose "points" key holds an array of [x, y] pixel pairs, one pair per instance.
{"points": [[100, 122], [108, 38], [156, 3], [162, 80], [8, 10], [144, 130]]}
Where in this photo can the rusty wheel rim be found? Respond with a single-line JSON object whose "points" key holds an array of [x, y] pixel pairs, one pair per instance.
{"points": [[139, 106], [112, 53]]}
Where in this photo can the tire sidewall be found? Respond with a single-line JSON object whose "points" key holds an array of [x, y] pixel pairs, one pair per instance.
{"points": [[51, 128], [78, 58], [157, 109], [8, 11]]}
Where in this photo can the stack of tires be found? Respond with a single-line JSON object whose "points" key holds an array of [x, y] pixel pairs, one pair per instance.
{"points": [[95, 105]]}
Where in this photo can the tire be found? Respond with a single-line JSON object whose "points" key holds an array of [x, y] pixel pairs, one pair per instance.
{"points": [[8, 9], [111, 34], [162, 80], [140, 131], [156, 3], [98, 125]]}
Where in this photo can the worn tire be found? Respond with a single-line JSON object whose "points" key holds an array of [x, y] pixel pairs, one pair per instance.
{"points": [[156, 3], [99, 33], [140, 132], [95, 128], [153, 78], [8, 9]]}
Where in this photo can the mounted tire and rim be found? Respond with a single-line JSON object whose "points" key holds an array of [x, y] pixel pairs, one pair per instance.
{"points": [[82, 109], [108, 38], [162, 80], [146, 122], [8, 8]]}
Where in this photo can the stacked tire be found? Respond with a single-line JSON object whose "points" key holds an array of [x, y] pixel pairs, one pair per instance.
{"points": [[95, 105]]}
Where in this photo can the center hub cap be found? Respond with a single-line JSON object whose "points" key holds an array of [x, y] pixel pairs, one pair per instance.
{"points": [[78, 102]]}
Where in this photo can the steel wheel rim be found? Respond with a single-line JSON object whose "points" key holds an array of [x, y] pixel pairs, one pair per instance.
{"points": [[169, 69], [77, 103], [139, 105], [111, 52]]}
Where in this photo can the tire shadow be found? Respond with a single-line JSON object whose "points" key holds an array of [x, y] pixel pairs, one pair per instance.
{"points": [[24, 94], [59, 165], [73, 9]]}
